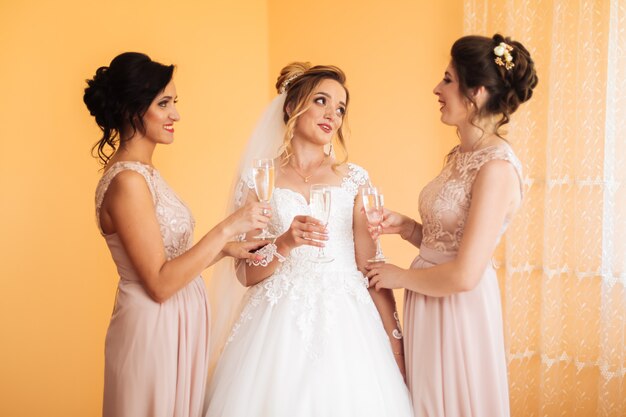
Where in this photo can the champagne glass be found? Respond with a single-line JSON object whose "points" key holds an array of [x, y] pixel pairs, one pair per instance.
{"points": [[263, 173], [320, 209], [373, 203]]}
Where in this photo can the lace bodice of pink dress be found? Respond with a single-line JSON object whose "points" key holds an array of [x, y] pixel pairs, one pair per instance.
{"points": [[444, 203], [156, 354], [175, 219], [454, 345]]}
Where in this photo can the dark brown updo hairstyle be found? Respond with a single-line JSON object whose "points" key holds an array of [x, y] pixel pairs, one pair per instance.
{"points": [[473, 58], [119, 95], [298, 80]]}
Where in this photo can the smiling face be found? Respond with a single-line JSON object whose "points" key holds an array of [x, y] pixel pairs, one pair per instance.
{"points": [[160, 117], [324, 116], [454, 106]]}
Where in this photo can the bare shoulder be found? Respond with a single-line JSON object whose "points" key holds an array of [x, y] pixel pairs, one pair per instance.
{"points": [[128, 187], [497, 170], [497, 179], [129, 180]]}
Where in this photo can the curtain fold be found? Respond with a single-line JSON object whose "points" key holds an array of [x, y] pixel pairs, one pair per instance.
{"points": [[562, 264]]}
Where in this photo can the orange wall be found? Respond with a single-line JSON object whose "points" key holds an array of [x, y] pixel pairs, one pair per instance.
{"points": [[57, 280], [393, 54]]}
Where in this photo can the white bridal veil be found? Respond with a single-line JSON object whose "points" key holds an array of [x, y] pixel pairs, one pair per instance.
{"points": [[225, 291]]}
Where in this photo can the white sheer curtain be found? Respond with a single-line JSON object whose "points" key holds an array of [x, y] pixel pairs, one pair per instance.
{"points": [[563, 261]]}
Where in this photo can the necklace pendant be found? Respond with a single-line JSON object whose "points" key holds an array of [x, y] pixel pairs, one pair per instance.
{"points": [[306, 179]]}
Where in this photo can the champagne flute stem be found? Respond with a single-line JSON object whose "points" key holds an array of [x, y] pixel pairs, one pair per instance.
{"points": [[379, 250], [379, 257]]}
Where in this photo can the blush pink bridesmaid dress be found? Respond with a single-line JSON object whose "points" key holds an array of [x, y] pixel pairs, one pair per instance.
{"points": [[156, 354], [454, 345]]}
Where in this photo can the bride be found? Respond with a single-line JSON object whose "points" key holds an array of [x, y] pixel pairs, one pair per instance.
{"points": [[308, 339]]}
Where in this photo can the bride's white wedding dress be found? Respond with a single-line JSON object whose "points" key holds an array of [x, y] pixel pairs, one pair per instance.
{"points": [[309, 340]]}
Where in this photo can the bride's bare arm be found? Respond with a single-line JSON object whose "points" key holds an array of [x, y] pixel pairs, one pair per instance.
{"points": [[383, 299]]}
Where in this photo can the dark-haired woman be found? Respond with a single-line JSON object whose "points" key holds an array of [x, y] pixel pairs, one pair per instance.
{"points": [[454, 343], [156, 349]]}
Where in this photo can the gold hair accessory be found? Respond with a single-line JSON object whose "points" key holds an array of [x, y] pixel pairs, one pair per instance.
{"points": [[504, 50], [285, 84]]}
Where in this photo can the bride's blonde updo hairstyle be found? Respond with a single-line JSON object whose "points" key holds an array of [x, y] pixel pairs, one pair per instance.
{"points": [[298, 81]]}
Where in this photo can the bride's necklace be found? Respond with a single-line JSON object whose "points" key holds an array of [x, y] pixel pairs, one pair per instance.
{"points": [[306, 178]]}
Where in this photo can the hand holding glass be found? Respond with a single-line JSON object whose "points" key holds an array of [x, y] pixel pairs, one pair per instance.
{"points": [[320, 209], [373, 203], [263, 173]]}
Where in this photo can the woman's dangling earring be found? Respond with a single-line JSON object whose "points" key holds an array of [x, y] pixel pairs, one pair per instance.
{"points": [[330, 150]]}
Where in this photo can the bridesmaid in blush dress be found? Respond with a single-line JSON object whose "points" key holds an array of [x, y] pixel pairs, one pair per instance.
{"points": [[156, 349], [454, 344]]}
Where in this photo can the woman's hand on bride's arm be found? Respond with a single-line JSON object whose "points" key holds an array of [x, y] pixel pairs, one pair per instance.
{"points": [[304, 230], [383, 275]]}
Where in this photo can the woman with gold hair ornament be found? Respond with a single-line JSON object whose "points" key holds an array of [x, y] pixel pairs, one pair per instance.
{"points": [[454, 344], [309, 338]]}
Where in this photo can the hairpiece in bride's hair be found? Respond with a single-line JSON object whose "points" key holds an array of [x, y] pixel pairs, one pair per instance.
{"points": [[285, 84], [504, 50]]}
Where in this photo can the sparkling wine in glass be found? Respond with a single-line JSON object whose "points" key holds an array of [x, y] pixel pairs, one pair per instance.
{"points": [[263, 174], [373, 203], [320, 209]]}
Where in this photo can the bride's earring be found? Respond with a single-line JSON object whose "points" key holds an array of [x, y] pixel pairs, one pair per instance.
{"points": [[330, 150]]}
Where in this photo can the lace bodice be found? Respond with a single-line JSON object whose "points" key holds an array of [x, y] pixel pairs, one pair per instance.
{"points": [[314, 286], [444, 203], [287, 204], [175, 219]]}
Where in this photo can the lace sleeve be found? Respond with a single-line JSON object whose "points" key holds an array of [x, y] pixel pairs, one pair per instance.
{"points": [[357, 177], [242, 188]]}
